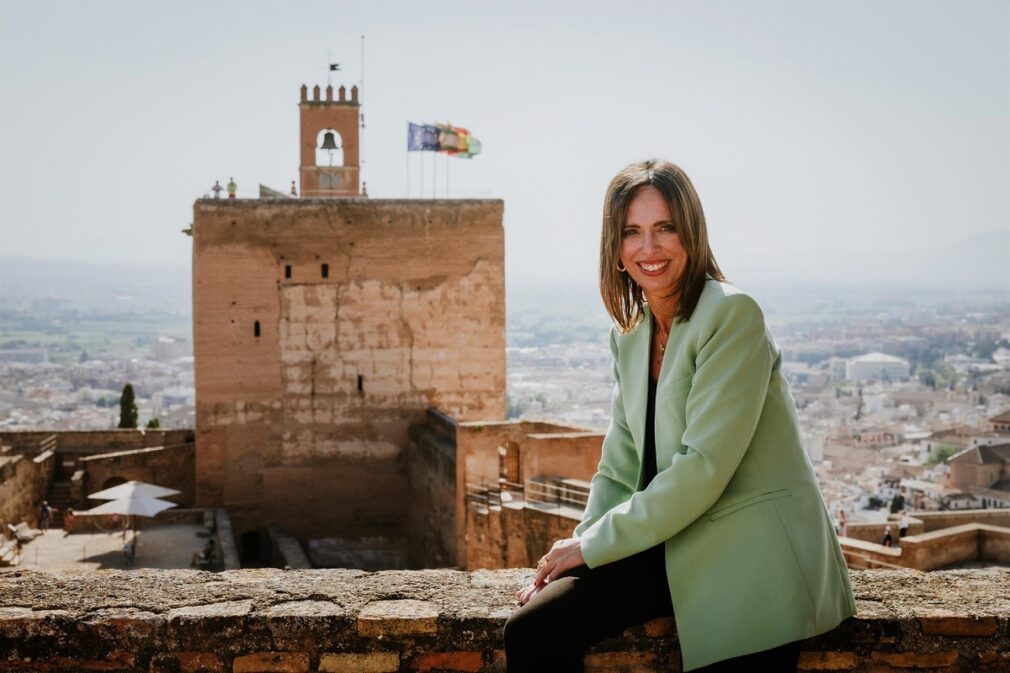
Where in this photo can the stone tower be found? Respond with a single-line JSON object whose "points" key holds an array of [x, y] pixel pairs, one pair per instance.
{"points": [[335, 172]]}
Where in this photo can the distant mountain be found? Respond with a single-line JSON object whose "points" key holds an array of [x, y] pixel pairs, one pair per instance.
{"points": [[122, 286]]}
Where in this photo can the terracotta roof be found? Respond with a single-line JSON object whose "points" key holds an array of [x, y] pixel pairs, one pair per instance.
{"points": [[1001, 418], [983, 455]]}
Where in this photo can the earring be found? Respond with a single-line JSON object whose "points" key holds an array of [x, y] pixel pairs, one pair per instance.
{"points": [[619, 267]]}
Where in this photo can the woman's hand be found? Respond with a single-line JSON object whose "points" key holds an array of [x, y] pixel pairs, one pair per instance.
{"points": [[564, 555], [528, 592]]}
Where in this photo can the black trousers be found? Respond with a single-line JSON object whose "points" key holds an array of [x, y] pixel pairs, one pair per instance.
{"points": [[582, 606]]}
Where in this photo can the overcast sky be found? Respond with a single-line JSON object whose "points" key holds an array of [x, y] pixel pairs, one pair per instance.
{"points": [[818, 134]]}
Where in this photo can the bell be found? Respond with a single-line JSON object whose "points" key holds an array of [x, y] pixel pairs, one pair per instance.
{"points": [[329, 142]]}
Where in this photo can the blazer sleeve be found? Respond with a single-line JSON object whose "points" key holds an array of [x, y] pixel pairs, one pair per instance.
{"points": [[618, 459], [733, 370]]}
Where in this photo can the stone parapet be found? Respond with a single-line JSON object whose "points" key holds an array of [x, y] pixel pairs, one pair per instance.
{"points": [[260, 620]]}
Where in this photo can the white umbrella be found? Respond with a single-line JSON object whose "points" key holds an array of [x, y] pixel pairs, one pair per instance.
{"points": [[131, 488], [133, 506], [137, 504]]}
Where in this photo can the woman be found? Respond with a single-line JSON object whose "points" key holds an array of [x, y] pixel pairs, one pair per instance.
{"points": [[704, 503]]}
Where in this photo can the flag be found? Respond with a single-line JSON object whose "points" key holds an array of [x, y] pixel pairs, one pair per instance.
{"points": [[466, 145], [422, 137], [334, 66], [473, 149], [448, 138]]}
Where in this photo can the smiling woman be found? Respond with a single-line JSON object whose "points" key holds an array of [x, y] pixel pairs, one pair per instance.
{"points": [[704, 503]]}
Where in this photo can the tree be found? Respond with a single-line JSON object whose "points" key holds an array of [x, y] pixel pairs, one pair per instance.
{"points": [[897, 503], [153, 424], [127, 408], [941, 453]]}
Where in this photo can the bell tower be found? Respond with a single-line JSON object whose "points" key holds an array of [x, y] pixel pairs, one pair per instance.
{"points": [[330, 164]]}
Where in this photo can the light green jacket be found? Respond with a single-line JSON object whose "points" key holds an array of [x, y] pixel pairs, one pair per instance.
{"points": [[752, 560]]}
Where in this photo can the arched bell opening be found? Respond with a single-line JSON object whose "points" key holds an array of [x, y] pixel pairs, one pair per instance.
{"points": [[329, 148]]}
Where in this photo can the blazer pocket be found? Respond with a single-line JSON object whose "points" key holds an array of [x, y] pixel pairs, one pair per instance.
{"points": [[747, 502], [680, 385]]}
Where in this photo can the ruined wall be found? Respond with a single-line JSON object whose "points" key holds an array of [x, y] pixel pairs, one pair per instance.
{"points": [[24, 482], [572, 455], [305, 425], [936, 520], [168, 466], [95, 440], [930, 551], [431, 518], [479, 461], [348, 621], [514, 536]]}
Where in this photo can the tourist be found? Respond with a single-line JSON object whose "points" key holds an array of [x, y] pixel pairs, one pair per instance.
{"points": [[902, 525], [704, 504], [888, 539], [202, 559], [843, 524], [45, 514]]}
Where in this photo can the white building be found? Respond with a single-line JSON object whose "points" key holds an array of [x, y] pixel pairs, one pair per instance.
{"points": [[876, 367]]}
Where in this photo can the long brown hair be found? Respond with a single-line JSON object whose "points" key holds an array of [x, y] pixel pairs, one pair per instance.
{"points": [[622, 296]]}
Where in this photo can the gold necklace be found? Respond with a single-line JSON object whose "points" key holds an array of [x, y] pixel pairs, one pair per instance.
{"points": [[662, 337]]}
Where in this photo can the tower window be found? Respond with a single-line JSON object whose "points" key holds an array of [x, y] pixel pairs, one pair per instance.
{"points": [[287, 270], [361, 383], [326, 270], [256, 328]]}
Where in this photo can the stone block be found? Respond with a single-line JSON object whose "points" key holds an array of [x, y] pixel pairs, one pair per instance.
{"points": [[272, 662], [365, 662], [915, 659], [393, 618]]}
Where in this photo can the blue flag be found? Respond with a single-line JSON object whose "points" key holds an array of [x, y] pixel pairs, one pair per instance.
{"points": [[422, 137]]}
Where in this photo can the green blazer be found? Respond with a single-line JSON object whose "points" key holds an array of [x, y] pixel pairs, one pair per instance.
{"points": [[752, 560]]}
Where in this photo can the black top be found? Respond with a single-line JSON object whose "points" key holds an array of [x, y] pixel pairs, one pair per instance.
{"points": [[650, 436]]}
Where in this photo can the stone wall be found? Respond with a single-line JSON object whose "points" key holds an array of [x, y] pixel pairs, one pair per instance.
{"points": [[322, 330], [24, 482], [514, 535], [937, 549], [168, 466], [432, 518], [302, 621], [94, 440]]}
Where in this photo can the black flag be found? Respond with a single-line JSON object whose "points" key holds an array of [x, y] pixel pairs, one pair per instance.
{"points": [[334, 66]]}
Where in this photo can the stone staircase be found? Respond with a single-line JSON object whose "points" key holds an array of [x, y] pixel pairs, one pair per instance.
{"points": [[59, 498]]}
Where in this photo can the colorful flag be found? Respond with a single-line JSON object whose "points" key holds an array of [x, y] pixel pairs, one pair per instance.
{"points": [[453, 140], [422, 137]]}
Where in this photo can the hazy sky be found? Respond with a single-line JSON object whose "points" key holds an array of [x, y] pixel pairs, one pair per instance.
{"points": [[814, 132]]}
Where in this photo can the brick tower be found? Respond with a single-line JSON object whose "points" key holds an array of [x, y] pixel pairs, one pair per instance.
{"points": [[336, 172]]}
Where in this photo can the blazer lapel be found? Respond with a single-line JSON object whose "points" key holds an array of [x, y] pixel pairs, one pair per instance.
{"points": [[633, 366]]}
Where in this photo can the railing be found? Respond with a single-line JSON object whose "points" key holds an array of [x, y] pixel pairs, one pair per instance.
{"points": [[48, 444], [560, 493], [487, 495]]}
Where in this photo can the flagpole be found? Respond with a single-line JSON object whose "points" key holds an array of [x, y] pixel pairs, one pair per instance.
{"points": [[446, 176], [434, 173], [407, 157], [420, 191]]}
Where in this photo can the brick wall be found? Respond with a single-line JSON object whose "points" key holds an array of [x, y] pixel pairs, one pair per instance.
{"points": [[303, 621], [94, 440], [168, 466], [24, 482]]}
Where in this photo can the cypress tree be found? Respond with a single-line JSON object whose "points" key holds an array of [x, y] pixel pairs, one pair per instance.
{"points": [[127, 408]]}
